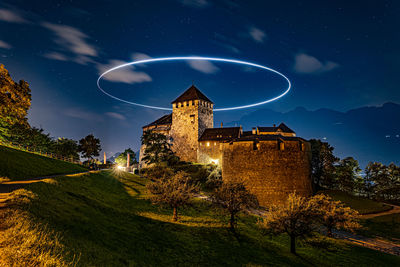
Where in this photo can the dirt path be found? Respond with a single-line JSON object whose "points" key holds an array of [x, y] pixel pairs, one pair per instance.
{"points": [[7, 187], [396, 209], [373, 243]]}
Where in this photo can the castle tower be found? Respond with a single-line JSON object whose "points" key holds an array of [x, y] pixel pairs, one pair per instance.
{"points": [[192, 113]]}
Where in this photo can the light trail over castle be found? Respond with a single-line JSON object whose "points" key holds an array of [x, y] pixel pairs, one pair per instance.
{"points": [[233, 61]]}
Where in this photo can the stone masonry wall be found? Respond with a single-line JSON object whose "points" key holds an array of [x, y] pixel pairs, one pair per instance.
{"points": [[210, 152], [268, 172], [189, 120]]}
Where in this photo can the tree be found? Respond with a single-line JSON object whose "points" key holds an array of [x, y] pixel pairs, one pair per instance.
{"points": [[66, 147], [159, 171], [295, 218], [15, 100], [33, 138], [382, 182], [334, 214], [234, 197], [347, 174], [394, 182], [322, 164], [122, 158], [157, 148], [89, 146], [175, 191]]}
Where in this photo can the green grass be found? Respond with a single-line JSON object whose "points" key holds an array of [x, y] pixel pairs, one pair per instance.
{"points": [[361, 204], [105, 219], [16, 165], [387, 226]]}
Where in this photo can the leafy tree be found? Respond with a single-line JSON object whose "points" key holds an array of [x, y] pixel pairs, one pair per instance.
{"points": [[66, 147], [322, 164], [394, 181], [33, 138], [174, 191], [159, 171], [334, 214], [347, 174], [382, 182], [122, 158], [157, 148], [89, 147], [15, 100], [234, 197], [295, 218]]}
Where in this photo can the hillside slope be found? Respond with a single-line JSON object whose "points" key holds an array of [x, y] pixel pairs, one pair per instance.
{"points": [[106, 219], [16, 165]]}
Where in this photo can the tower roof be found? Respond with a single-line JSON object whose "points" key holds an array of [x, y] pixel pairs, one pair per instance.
{"points": [[192, 93]]}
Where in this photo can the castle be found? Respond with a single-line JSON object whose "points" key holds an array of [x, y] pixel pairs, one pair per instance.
{"points": [[271, 161]]}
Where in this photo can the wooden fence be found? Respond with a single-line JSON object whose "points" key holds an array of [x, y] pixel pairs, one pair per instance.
{"points": [[39, 152]]}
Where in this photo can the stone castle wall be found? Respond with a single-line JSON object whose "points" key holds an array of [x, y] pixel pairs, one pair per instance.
{"points": [[189, 120], [269, 172], [210, 152]]}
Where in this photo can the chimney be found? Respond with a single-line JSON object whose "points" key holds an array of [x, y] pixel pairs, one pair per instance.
{"points": [[222, 125], [274, 125], [253, 130]]}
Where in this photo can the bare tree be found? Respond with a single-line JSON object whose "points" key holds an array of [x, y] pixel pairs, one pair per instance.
{"points": [[295, 218], [334, 214], [234, 197], [174, 191]]}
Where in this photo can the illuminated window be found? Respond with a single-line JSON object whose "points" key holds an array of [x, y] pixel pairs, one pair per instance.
{"points": [[208, 143]]}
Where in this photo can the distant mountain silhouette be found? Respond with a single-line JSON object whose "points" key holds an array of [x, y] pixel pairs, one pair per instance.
{"points": [[367, 133]]}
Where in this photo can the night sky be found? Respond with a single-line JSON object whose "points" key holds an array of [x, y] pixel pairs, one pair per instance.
{"points": [[339, 55]]}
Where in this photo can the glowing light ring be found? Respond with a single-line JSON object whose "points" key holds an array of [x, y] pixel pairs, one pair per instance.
{"points": [[196, 58]]}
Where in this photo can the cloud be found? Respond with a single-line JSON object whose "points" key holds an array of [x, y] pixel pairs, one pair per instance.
{"points": [[195, 3], [115, 116], [257, 35], [55, 56], [5, 45], [203, 66], [124, 75], [139, 56], [83, 114], [72, 39], [11, 16], [308, 64]]}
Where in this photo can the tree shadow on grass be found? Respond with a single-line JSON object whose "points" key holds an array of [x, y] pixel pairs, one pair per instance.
{"points": [[97, 218]]}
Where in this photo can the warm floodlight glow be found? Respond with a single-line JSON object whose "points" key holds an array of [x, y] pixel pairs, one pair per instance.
{"points": [[234, 61], [215, 161], [120, 167]]}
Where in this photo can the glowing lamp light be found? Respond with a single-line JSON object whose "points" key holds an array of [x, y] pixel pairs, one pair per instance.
{"points": [[233, 61], [120, 167], [215, 161]]}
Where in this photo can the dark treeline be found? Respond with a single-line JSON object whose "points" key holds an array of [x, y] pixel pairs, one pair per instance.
{"points": [[378, 181], [15, 101]]}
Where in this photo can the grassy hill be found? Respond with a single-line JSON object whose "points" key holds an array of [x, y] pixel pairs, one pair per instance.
{"points": [[361, 204], [16, 165], [105, 219]]}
